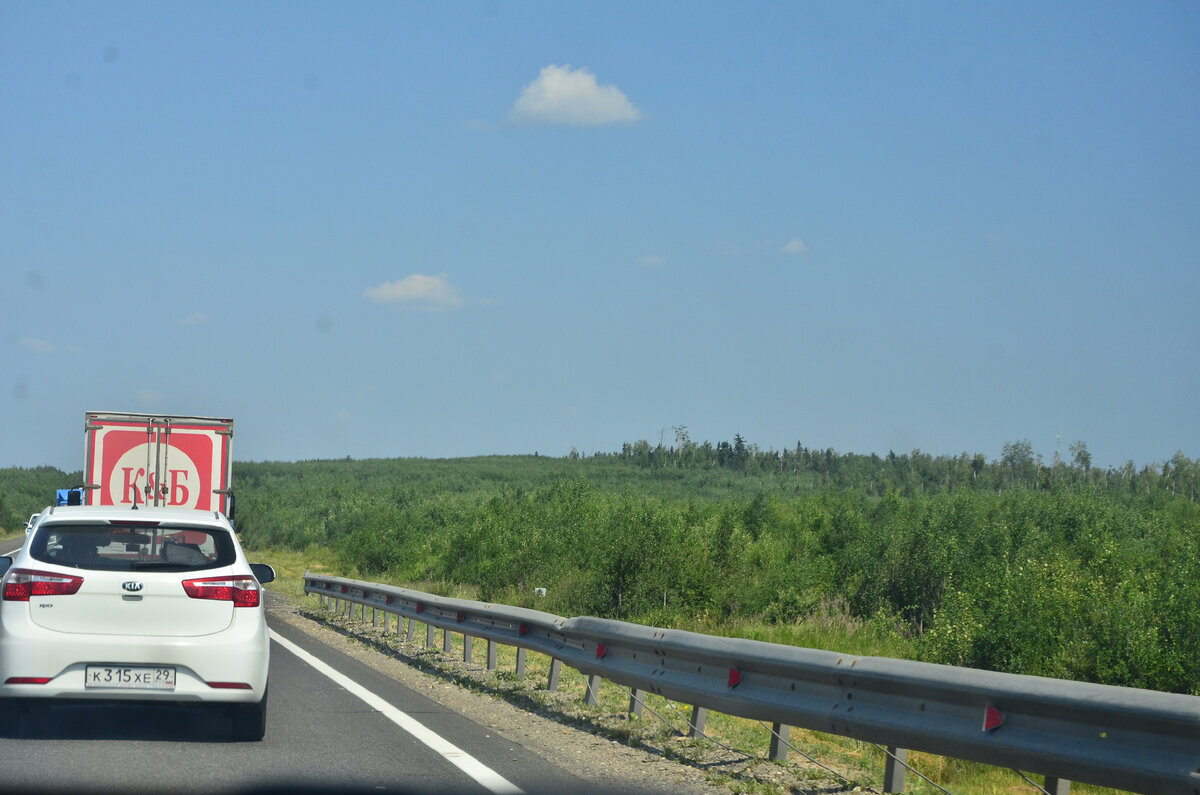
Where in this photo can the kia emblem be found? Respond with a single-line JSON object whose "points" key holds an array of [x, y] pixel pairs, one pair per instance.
{"points": [[132, 586]]}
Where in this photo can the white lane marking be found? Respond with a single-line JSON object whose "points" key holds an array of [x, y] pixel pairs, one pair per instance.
{"points": [[468, 764]]}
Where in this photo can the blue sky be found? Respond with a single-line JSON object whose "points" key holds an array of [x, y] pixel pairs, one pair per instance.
{"points": [[450, 229]]}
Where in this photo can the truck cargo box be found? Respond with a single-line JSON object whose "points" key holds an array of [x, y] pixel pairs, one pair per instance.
{"points": [[158, 460]]}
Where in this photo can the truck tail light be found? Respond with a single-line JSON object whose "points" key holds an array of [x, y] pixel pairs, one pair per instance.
{"points": [[20, 584], [241, 589]]}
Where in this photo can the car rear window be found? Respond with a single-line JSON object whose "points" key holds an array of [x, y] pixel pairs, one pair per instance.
{"points": [[117, 547]]}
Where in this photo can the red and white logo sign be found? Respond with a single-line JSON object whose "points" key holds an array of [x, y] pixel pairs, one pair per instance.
{"points": [[128, 480], [182, 468]]}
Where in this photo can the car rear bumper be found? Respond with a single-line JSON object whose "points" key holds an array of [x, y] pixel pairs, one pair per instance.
{"points": [[229, 666]]}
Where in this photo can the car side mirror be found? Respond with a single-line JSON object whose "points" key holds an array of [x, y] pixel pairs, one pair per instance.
{"points": [[6, 562], [262, 572]]}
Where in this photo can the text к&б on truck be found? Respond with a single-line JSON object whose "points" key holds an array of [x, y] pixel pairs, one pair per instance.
{"points": [[158, 460]]}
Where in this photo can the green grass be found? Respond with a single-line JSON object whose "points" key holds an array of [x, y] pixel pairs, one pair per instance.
{"points": [[290, 567], [830, 627]]}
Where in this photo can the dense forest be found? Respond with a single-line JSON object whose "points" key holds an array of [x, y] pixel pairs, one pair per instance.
{"points": [[1059, 569]]}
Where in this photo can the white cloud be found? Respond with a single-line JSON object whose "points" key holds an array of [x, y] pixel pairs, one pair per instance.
{"points": [[652, 261], [194, 319], [795, 246], [149, 397], [432, 293], [343, 415], [40, 347], [562, 96]]}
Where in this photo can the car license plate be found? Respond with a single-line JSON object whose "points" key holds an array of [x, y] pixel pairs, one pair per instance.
{"points": [[132, 677]]}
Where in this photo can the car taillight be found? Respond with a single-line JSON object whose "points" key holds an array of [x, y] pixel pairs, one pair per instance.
{"points": [[20, 584], [242, 590]]}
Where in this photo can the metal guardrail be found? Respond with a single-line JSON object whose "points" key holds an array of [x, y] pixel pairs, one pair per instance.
{"points": [[1131, 739]]}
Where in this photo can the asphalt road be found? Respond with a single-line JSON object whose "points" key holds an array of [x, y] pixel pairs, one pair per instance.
{"points": [[321, 737]]}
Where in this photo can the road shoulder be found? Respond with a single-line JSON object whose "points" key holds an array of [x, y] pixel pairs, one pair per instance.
{"points": [[610, 765]]}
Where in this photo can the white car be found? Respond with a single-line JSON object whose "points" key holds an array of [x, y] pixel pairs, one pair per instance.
{"points": [[156, 604]]}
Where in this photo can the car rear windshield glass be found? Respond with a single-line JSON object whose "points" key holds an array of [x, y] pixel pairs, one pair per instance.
{"points": [[117, 547]]}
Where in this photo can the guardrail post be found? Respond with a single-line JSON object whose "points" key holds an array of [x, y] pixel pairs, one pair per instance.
{"points": [[894, 770], [447, 641], [520, 663], [637, 702], [429, 636], [468, 642], [697, 720], [374, 618], [781, 735], [385, 622], [555, 671], [491, 655], [592, 696], [1057, 786], [412, 628]]}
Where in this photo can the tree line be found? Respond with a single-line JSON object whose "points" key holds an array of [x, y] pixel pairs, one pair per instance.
{"points": [[917, 472], [1074, 584]]}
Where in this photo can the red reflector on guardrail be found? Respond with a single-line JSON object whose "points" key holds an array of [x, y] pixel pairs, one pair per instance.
{"points": [[735, 677], [461, 617], [420, 607], [601, 650], [992, 718], [522, 629]]}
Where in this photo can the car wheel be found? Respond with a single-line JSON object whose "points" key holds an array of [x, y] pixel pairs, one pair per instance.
{"points": [[250, 721]]}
